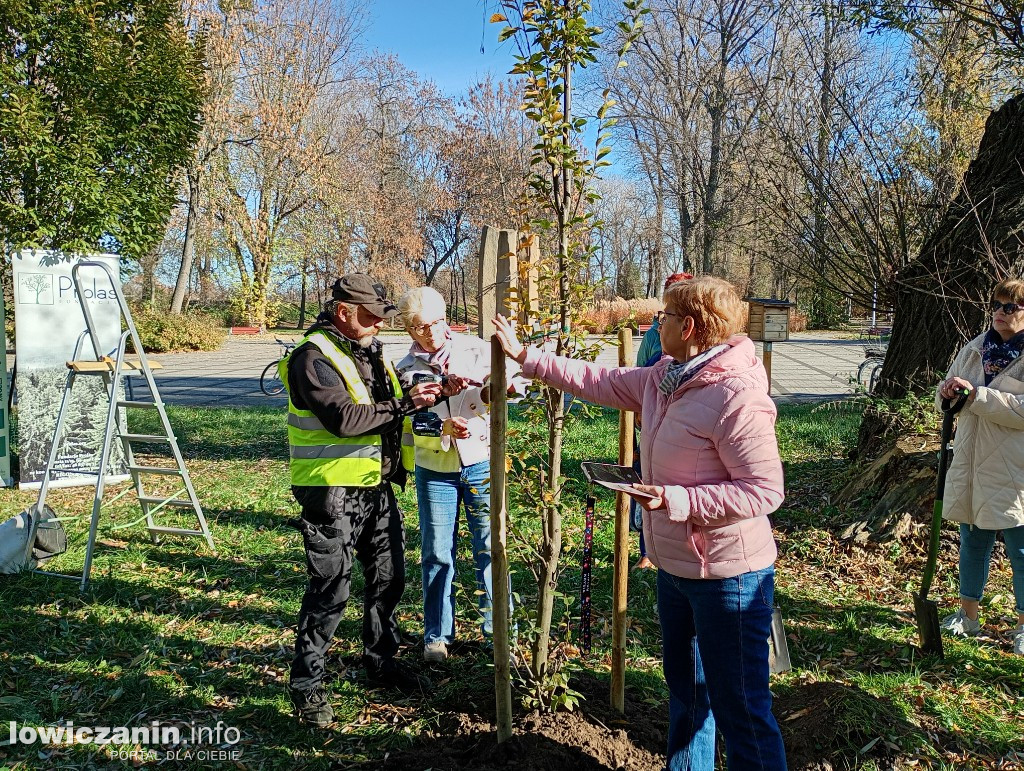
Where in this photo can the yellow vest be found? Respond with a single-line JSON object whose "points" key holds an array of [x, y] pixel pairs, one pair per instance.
{"points": [[319, 458]]}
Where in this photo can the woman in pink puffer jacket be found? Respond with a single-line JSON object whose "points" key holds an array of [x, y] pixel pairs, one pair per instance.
{"points": [[713, 477]]}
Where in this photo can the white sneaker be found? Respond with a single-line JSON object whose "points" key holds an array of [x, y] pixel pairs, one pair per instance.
{"points": [[959, 625], [1018, 640], [435, 652]]}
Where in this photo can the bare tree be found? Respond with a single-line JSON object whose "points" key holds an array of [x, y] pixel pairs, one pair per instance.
{"points": [[296, 68]]}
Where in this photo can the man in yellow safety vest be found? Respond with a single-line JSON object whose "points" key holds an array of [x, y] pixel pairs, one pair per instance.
{"points": [[346, 411]]}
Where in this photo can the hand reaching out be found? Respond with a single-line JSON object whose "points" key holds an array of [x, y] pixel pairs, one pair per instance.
{"points": [[506, 333]]}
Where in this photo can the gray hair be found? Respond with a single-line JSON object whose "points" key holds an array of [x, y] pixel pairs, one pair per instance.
{"points": [[419, 301], [331, 307]]}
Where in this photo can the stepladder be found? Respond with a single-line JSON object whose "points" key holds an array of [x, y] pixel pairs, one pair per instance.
{"points": [[162, 485]]}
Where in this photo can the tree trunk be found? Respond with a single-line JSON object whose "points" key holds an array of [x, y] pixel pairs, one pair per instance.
{"points": [[940, 297], [551, 547], [822, 312], [658, 272], [188, 251], [465, 302], [205, 277], [302, 296], [712, 212]]}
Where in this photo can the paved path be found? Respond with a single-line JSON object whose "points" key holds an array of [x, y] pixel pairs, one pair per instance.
{"points": [[812, 366]]}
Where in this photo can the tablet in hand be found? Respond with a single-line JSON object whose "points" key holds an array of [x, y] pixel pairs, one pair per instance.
{"points": [[621, 478]]}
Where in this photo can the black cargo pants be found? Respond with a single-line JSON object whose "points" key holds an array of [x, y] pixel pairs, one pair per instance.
{"points": [[368, 525]]}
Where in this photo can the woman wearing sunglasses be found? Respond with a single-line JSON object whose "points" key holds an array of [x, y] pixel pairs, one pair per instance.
{"points": [[983, 486]]}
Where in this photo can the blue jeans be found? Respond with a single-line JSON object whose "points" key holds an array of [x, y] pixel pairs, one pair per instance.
{"points": [[976, 556], [438, 495], [715, 638]]}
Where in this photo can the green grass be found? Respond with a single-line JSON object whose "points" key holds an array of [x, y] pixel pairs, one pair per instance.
{"points": [[174, 633]]}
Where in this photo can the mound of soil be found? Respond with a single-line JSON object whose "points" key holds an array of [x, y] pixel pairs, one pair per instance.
{"points": [[816, 728], [594, 737]]}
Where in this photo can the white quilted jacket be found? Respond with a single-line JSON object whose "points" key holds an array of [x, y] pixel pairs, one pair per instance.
{"points": [[985, 482]]}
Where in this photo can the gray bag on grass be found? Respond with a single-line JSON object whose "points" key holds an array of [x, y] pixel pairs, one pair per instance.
{"points": [[50, 540]]}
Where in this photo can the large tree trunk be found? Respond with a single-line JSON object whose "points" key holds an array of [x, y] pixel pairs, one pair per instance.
{"points": [[940, 297]]}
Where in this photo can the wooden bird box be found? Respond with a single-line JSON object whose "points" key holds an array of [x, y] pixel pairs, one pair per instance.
{"points": [[768, 320]]}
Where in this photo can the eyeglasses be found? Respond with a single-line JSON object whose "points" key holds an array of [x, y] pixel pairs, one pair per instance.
{"points": [[1007, 308], [660, 316], [422, 329]]}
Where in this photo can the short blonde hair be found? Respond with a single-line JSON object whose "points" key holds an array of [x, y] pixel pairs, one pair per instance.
{"points": [[713, 304], [1010, 288], [420, 301]]}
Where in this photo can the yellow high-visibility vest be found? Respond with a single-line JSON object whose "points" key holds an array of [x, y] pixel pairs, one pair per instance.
{"points": [[319, 458]]}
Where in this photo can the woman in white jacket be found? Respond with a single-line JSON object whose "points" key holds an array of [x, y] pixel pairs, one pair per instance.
{"points": [[985, 484], [453, 467]]}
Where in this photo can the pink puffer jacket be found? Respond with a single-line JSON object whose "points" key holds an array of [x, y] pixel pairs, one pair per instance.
{"points": [[711, 444]]}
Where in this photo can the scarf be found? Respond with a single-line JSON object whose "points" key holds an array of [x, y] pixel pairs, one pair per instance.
{"points": [[436, 360], [996, 354], [679, 372]]}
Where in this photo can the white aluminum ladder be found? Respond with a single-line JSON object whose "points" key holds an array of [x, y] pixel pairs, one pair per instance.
{"points": [[113, 368]]}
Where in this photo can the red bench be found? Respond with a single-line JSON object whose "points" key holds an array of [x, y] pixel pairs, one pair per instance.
{"points": [[644, 328], [458, 327], [245, 330]]}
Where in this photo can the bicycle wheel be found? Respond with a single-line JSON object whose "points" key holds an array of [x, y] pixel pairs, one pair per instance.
{"points": [[270, 381], [867, 372], [876, 373]]}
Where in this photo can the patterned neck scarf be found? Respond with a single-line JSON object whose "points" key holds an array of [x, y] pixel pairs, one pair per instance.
{"points": [[437, 360], [679, 372], [995, 354]]}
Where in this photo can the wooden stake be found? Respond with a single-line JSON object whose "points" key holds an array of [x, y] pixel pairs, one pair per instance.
{"points": [[620, 579], [499, 542], [766, 357]]}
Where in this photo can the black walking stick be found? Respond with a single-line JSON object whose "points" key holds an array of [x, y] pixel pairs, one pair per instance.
{"points": [[927, 611]]}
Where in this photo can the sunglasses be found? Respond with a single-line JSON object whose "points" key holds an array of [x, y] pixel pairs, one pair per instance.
{"points": [[1007, 308]]}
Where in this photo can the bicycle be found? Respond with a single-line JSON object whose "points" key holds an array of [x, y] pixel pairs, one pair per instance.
{"points": [[868, 373], [270, 380], [871, 368]]}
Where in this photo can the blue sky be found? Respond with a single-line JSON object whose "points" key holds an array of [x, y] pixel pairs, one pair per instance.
{"points": [[440, 39]]}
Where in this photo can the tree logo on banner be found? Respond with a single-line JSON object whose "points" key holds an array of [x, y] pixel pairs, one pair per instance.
{"points": [[36, 289]]}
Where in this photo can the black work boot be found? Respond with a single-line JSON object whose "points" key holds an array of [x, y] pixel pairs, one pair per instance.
{"points": [[312, 706], [394, 674]]}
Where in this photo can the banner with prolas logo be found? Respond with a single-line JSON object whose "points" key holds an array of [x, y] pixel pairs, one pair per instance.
{"points": [[5, 418], [48, 321]]}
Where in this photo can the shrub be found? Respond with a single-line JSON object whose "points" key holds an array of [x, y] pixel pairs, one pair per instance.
{"points": [[611, 315], [797, 320], [162, 332]]}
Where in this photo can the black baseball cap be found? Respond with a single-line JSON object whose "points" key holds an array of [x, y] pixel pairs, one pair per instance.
{"points": [[360, 289]]}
